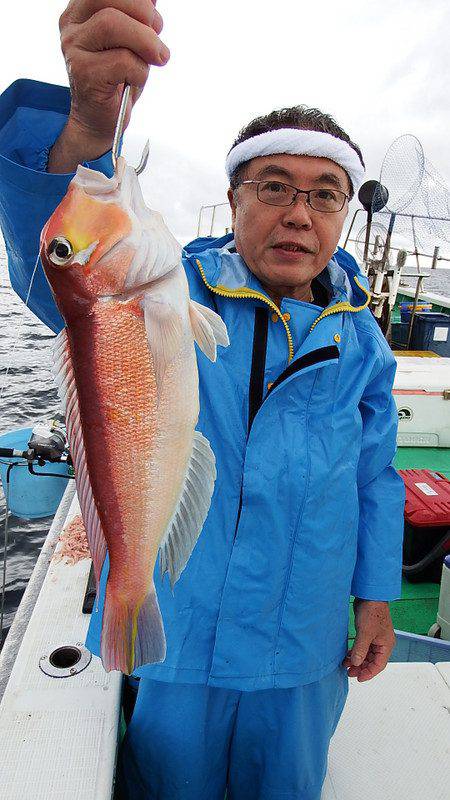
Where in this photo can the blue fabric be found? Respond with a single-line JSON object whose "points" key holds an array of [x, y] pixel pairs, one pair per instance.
{"points": [[263, 601], [191, 742], [32, 116]]}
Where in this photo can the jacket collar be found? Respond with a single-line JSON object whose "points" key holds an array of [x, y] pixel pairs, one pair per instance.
{"points": [[223, 266]]}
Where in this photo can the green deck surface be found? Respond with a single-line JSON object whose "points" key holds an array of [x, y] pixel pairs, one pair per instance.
{"points": [[416, 611], [434, 458]]}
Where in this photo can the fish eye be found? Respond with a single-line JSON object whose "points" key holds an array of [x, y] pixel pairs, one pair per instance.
{"points": [[60, 251]]}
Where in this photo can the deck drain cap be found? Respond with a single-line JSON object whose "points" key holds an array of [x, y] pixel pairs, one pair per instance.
{"points": [[65, 661]]}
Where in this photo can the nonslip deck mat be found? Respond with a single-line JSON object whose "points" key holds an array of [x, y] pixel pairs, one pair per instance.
{"points": [[393, 739], [59, 735]]}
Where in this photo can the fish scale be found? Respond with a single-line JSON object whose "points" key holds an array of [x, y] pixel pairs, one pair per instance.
{"points": [[117, 392]]}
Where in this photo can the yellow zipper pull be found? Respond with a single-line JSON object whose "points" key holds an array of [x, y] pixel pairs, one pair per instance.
{"points": [[222, 291]]}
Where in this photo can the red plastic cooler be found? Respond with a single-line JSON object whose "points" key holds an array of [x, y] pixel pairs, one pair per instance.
{"points": [[427, 524]]}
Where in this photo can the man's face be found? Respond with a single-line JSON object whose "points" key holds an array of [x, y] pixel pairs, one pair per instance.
{"points": [[261, 231]]}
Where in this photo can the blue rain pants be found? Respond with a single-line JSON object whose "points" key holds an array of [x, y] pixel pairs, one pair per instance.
{"points": [[193, 742]]}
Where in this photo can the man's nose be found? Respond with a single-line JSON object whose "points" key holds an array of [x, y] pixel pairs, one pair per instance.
{"points": [[298, 214]]}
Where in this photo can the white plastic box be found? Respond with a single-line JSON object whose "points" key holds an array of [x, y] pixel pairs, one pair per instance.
{"points": [[422, 395]]}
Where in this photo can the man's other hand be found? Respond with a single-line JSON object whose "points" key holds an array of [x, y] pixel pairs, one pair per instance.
{"points": [[374, 640]]}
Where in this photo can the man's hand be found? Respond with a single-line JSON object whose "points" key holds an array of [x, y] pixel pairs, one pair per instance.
{"points": [[374, 640], [105, 43]]}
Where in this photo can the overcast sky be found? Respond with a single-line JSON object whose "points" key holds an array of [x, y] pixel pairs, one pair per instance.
{"points": [[381, 69]]}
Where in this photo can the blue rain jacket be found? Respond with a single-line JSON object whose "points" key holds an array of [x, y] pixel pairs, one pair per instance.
{"points": [[307, 507]]}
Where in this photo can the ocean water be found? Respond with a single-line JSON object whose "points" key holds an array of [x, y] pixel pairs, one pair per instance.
{"points": [[27, 395]]}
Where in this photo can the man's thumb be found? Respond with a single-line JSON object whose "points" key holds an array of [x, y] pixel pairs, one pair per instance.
{"points": [[359, 651]]}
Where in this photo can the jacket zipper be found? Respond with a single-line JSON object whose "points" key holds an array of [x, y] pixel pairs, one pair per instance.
{"points": [[344, 305], [256, 388], [322, 354], [223, 291]]}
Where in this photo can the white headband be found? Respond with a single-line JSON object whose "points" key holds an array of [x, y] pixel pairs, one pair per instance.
{"points": [[298, 143]]}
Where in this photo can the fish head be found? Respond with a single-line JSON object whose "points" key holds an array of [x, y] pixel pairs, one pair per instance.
{"points": [[82, 246], [103, 241]]}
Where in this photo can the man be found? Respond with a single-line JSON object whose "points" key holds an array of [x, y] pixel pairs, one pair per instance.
{"points": [[307, 507]]}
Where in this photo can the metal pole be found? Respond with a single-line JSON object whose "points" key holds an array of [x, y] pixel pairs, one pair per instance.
{"points": [[350, 228], [418, 285], [212, 221], [377, 245], [387, 244], [413, 313], [367, 240], [416, 252], [435, 258], [199, 221]]}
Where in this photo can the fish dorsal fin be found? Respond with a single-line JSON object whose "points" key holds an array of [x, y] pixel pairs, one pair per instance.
{"points": [[208, 329], [65, 382], [187, 521]]}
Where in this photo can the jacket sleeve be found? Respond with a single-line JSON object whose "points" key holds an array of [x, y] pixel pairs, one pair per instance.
{"points": [[377, 574], [32, 115]]}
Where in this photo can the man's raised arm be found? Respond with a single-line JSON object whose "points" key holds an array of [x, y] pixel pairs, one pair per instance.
{"points": [[46, 130], [105, 43]]}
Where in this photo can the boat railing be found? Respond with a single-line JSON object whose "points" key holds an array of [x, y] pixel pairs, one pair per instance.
{"points": [[435, 256], [213, 208], [23, 614]]}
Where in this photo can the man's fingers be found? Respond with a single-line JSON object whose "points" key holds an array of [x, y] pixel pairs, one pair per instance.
{"points": [[112, 68], [109, 29], [144, 11], [374, 662], [359, 652], [368, 670]]}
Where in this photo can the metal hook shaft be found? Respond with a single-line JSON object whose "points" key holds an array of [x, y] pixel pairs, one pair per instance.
{"points": [[119, 131], [119, 126]]}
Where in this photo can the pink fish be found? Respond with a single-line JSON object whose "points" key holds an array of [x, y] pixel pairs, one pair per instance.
{"points": [[127, 375]]}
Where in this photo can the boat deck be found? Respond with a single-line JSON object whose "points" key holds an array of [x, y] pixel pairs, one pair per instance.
{"points": [[392, 740]]}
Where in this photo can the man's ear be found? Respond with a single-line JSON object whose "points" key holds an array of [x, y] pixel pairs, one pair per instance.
{"points": [[232, 202]]}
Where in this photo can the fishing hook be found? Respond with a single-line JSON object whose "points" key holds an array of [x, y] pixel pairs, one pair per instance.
{"points": [[119, 131]]}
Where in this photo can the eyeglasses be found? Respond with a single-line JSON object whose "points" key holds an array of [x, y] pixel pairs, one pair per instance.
{"points": [[274, 193]]}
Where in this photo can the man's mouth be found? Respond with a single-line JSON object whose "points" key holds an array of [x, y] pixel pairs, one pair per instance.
{"points": [[291, 247]]}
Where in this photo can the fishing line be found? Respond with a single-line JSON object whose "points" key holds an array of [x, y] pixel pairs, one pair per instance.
{"points": [[20, 327]]}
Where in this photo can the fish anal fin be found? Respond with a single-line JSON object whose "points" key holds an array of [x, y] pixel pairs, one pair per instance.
{"points": [[191, 511]]}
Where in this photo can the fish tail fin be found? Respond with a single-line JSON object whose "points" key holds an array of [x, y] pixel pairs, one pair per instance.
{"points": [[131, 636]]}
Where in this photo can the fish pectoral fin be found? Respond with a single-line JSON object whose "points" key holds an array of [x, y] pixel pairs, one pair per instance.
{"points": [[187, 522], [164, 328], [208, 329], [67, 391]]}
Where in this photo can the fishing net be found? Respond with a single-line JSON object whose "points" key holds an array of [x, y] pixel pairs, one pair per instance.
{"points": [[418, 196], [377, 241]]}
